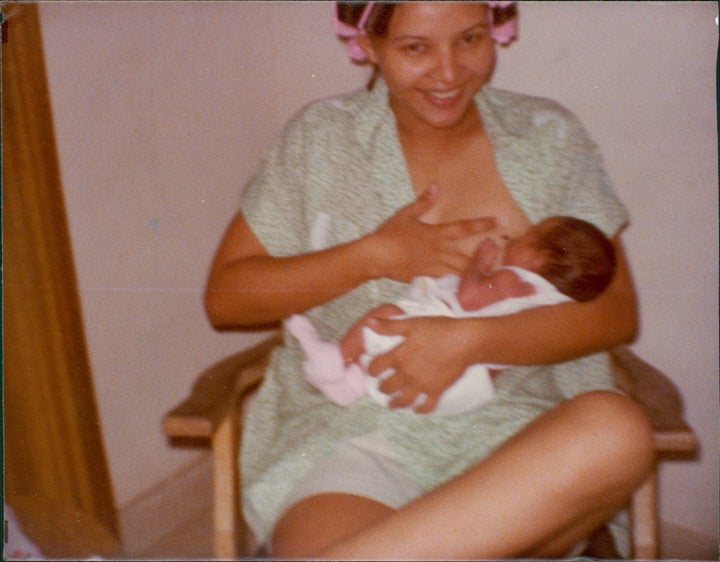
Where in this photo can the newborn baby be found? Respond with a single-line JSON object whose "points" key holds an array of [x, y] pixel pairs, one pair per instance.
{"points": [[558, 260]]}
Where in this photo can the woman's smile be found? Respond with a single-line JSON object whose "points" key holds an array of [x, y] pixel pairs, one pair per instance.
{"points": [[434, 59], [444, 98]]}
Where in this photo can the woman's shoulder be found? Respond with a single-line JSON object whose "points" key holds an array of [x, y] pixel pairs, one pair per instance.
{"points": [[520, 113], [516, 102], [336, 111], [353, 120], [320, 124]]}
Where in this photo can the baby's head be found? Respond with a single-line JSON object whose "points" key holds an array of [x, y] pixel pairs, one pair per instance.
{"points": [[572, 254]]}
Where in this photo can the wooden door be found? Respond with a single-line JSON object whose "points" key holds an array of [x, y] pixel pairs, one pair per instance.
{"points": [[56, 476]]}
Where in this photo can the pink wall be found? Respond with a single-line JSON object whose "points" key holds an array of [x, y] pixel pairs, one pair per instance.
{"points": [[162, 109]]}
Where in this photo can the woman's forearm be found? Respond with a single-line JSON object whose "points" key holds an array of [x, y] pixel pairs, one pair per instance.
{"points": [[262, 289], [248, 287], [549, 334]]}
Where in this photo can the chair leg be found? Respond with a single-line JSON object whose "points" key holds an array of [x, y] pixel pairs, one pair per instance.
{"points": [[225, 489], [645, 520]]}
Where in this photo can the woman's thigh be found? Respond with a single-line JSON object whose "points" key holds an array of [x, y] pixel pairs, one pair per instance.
{"points": [[360, 483], [317, 522], [541, 491]]}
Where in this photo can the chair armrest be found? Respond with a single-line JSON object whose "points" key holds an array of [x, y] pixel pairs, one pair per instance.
{"points": [[658, 396], [217, 391]]}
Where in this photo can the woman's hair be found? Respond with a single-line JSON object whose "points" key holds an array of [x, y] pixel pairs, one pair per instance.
{"points": [[377, 24], [579, 259], [378, 21]]}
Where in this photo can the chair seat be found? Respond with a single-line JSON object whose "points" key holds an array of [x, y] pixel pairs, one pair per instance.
{"points": [[660, 399], [210, 415]]}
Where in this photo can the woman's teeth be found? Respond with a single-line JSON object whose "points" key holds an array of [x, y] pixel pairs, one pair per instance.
{"points": [[445, 95]]}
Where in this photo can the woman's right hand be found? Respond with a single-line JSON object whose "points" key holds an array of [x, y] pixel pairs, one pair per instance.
{"points": [[404, 247], [247, 286]]}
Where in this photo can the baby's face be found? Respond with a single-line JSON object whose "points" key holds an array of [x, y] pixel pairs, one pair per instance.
{"points": [[523, 252]]}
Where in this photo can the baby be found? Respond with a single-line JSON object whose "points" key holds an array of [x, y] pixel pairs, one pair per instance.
{"points": [[558, 260]]}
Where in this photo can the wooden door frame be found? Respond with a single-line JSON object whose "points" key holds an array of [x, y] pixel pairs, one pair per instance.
{"points": [[56, 474]]}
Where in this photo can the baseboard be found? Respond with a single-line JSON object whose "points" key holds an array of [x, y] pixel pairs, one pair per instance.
{"points": [[166, 506], [679, 543]]}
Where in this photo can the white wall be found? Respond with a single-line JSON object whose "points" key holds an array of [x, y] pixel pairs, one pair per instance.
{"points": [[162, 109]]}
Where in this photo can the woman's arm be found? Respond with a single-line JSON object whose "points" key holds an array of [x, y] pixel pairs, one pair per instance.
{"points": [[562, 332], [540, 335], [247, 286]]}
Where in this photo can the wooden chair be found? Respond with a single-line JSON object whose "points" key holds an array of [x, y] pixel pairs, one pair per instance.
{"points": [[212, 414]]}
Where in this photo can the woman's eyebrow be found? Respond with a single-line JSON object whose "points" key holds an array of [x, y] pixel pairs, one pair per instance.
{"points": [[483, 25]]}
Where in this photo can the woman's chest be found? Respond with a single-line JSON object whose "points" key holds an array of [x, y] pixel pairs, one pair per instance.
{"points": [[470, 186]]}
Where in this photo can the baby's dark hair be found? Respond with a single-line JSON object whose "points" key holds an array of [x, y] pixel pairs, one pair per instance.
{"points": [[579, 259]]}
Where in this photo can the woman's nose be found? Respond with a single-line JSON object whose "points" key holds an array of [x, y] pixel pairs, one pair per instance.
{"points": [[447, 66]]}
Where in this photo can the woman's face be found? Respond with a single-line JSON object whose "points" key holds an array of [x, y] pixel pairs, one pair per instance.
{"points": [[434, 59]]}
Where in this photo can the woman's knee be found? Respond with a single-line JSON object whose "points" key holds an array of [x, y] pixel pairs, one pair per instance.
{"points": [[616, 433]]}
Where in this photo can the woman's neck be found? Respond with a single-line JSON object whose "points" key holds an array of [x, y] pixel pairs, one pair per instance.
{"points": [[418, 135]]}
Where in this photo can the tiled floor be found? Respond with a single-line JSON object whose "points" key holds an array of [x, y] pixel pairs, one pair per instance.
{"points": [[193, 541]]}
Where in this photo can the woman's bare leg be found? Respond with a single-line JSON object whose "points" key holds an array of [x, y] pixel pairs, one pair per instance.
{"points": [[541, 492], [316, 522]]}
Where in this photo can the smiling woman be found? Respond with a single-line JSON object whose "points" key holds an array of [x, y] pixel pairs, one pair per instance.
{"points": [[406, 179], [130, 80]]}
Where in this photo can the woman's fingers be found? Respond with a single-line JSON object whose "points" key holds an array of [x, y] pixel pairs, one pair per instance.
{"points": [[447, 247], [427, 405], [422, 204], [404, 398], [403, 390], [469, 227], [452, 230], [421, 371], [485, 256], [405, 247], [392, 384], [388, 327], [404, 394], [407, 396], [384, 364]]}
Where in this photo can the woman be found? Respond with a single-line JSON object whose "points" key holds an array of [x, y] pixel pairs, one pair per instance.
{"points": [[342, 212]]}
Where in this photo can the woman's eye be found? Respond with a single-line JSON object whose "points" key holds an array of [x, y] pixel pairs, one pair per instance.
{"points": [[414, 48], [474, 37]]}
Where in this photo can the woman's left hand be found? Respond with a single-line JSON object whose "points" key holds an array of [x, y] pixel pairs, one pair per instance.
{"points": [[421, 365]]}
